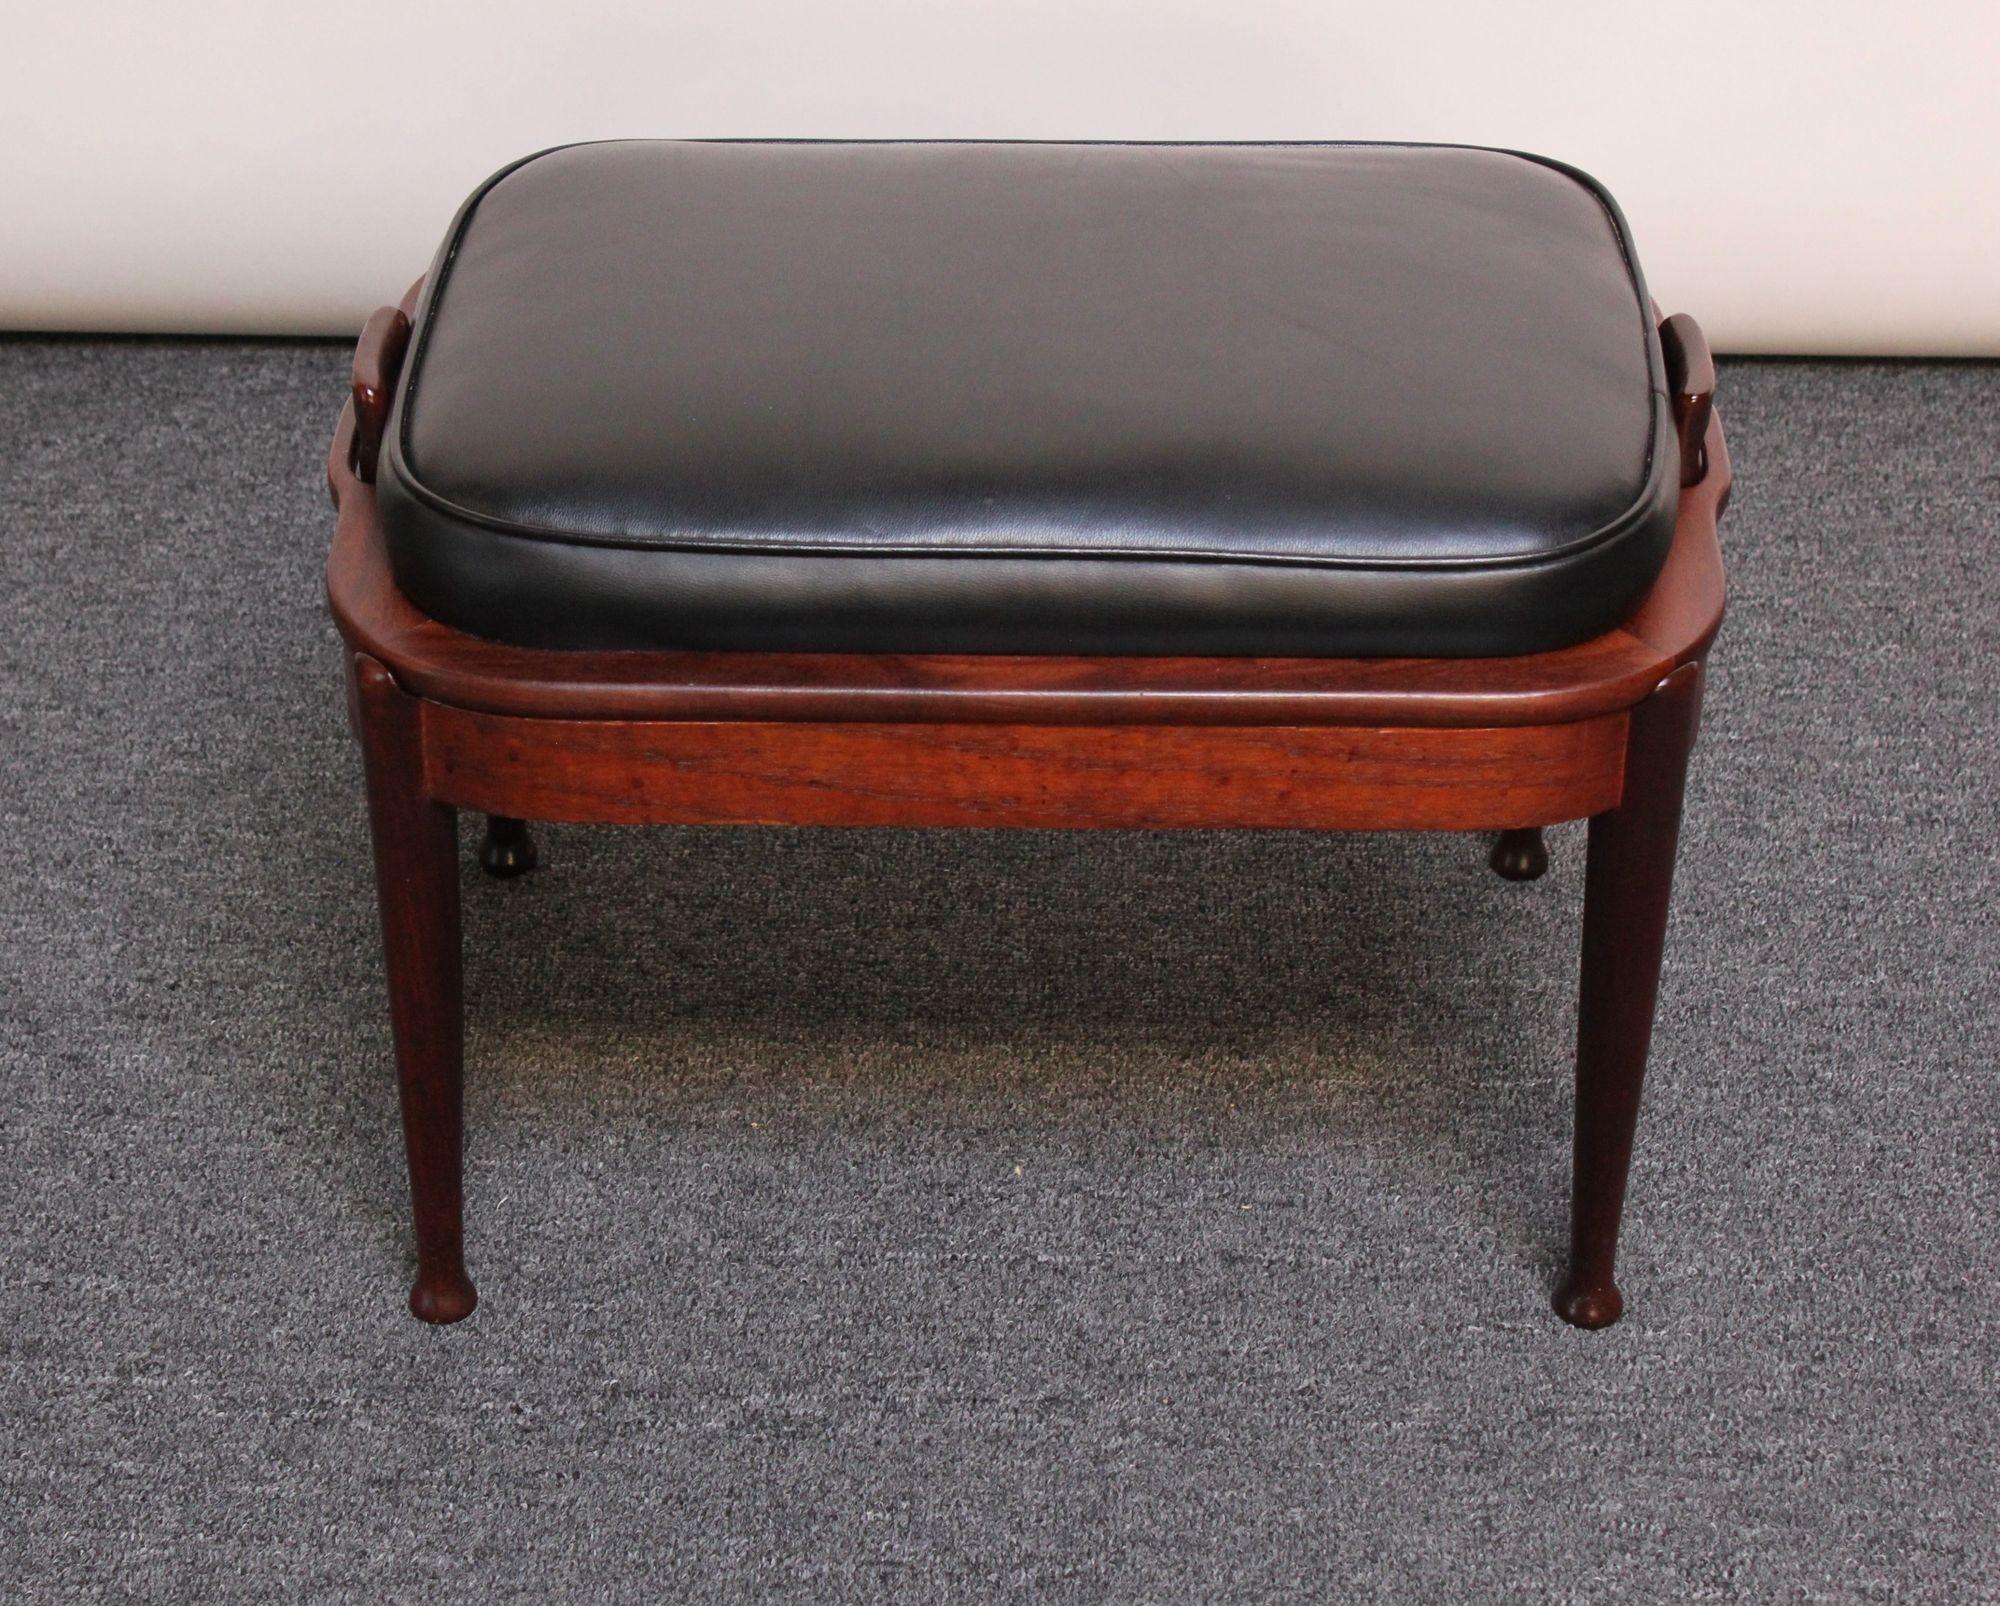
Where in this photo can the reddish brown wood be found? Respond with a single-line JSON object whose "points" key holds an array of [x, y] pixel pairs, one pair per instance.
{"points": [[1627, 888], [377, 360], [1609, 673], [1600, 729], [1691, 389], [1135, 776], [416, 877]]}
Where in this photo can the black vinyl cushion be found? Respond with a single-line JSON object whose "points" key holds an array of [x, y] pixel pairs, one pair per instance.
{"points": [[1334, 399]]}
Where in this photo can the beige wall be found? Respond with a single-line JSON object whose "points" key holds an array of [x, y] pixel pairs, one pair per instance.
{"points": [[1803, 176]]}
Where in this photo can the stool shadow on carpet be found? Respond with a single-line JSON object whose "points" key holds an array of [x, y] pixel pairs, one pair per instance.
{"points": [[1280, 986]]}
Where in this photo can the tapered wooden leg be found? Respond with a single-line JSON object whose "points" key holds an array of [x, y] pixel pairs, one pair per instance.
{"points": [[1520, 855], [1627, 885], [506, 850], [416, 876]]}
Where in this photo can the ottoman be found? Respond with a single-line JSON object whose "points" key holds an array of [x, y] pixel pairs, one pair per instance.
{"points": [[1323, 486]]}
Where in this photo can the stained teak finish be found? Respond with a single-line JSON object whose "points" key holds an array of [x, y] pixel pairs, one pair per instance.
{"points": [[1601, 731], [416, 878], [1627, 882]]}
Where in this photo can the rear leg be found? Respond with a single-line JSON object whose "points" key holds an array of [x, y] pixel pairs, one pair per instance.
{"points": [[507, 850], [1521, 855]]}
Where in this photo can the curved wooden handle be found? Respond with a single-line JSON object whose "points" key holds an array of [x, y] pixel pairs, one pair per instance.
{"points": [[377, 360], [1691, 389]]}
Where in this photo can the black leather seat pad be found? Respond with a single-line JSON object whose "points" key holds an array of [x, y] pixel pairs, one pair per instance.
{"points": [[1272, 399]]}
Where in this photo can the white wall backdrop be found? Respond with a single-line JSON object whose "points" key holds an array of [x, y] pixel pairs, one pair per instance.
{"points": [[1803, 175]]}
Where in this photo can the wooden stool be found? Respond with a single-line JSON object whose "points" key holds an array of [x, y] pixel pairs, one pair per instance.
{"points": [[1600, 729]]}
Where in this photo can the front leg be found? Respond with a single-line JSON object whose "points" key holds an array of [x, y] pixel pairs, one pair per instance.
{"points": [[416, 876], [1627, 885]]}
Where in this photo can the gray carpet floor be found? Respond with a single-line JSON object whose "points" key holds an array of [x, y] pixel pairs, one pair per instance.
{"points": [[866, 1216]]}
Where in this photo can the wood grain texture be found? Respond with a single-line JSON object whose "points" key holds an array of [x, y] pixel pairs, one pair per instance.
{"points": [[752, 773]]}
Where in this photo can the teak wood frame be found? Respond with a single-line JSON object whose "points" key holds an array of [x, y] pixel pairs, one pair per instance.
{"points": [[1600, 731]]}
